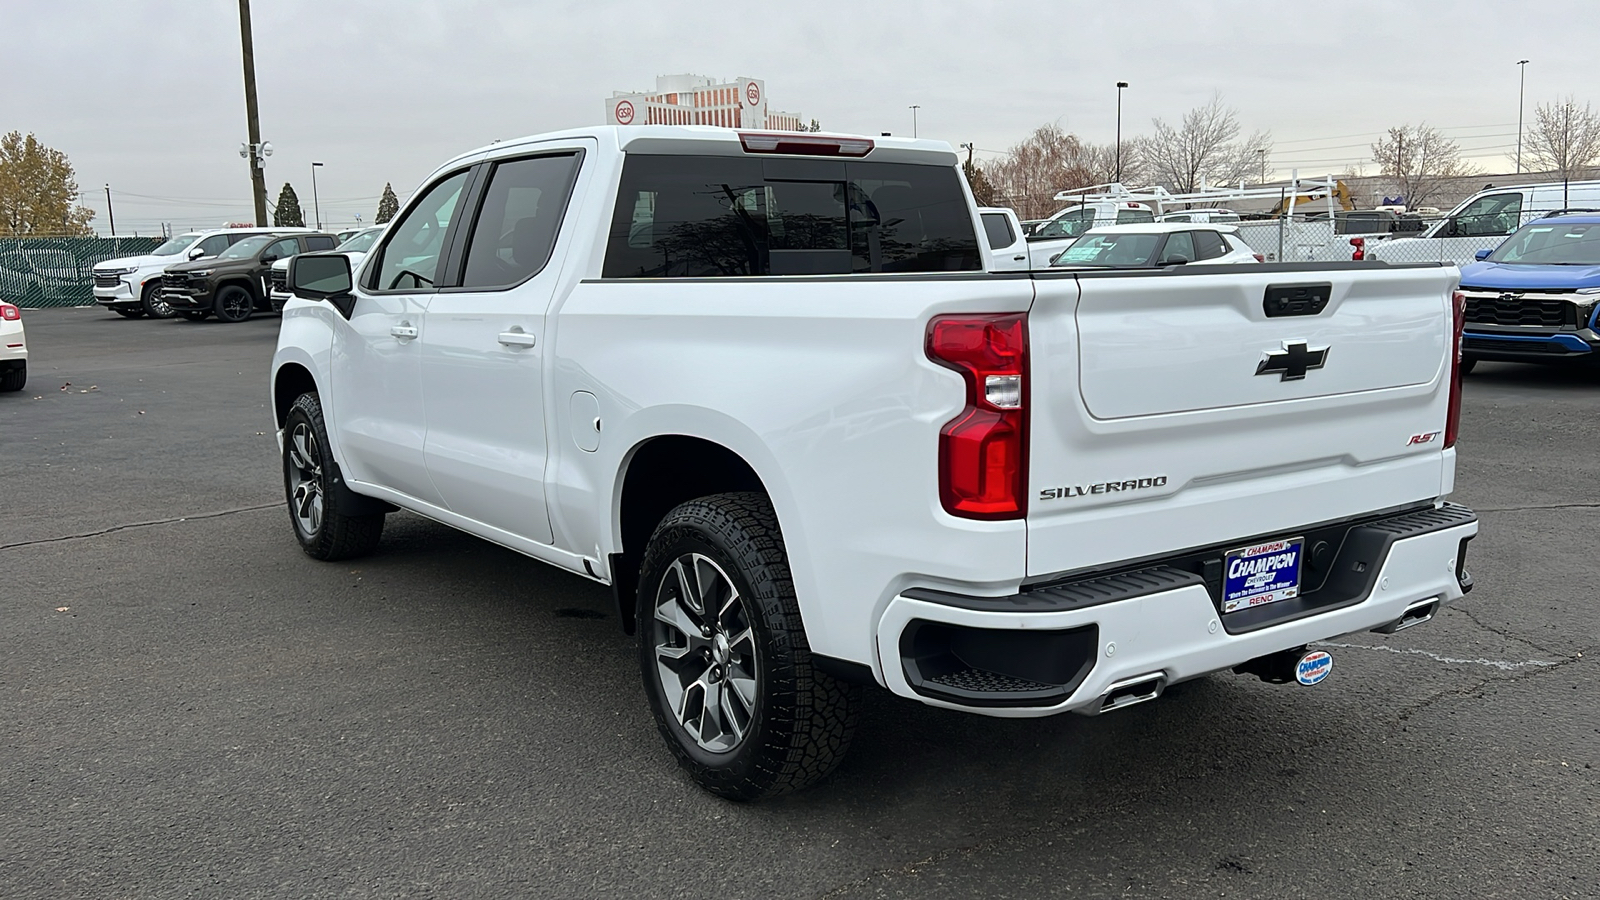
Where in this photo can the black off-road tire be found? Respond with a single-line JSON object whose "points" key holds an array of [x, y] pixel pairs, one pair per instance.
{"points": [[803, 718], [335, 535], [128, 312], [233, 303], [152, 304], [13, 379], [193, 315]]}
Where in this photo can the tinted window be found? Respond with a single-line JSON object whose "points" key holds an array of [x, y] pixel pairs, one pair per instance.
{"points": [[1071, 223], [319, 242], [1494, 214], [1134, 216], [280, 249], [1180, 244], [695, 217], [215, 244], [1178, 219], [998, 229], [247, 247], [410, 259], [515, 231], [1209, 245]]}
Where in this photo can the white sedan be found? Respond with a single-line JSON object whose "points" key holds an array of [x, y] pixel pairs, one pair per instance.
{"points": [[13, 349], [1155, 244]]}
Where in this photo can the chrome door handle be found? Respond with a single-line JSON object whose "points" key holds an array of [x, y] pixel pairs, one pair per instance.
{"points": [[404, 332], [517, 339]]}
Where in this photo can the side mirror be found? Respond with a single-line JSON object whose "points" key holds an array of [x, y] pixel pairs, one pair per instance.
{"points": [[1482, 254], [269, 258], [196, 252], [322, 276], [1175, 260]]}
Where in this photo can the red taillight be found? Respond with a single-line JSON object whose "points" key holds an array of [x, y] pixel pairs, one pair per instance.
{"points": [[1259, 257], [9, 313], [1452, 419], [804, 144], [1361, 248], [983, 452]]}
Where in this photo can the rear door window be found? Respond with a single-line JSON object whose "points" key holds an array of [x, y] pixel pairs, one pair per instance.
{"points": [[707, 217], [997, 228], [319, 242], [516, 228], [1209, 245]]}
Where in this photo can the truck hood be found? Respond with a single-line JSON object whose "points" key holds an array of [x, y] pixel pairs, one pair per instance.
{"points": [[1502, 276], [211, 263], [138, 261]]}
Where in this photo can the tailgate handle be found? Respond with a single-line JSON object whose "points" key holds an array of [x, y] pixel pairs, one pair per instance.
{"points": [[1296, 299]]}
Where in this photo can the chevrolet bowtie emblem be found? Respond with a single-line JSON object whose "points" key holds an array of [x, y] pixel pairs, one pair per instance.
{"points": [[1294, 360]]}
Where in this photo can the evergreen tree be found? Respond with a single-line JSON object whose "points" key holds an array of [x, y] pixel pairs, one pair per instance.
{"points": [[288, 214], [388, 205], [815, 126]]}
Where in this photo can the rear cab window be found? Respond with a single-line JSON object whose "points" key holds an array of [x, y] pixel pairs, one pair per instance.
{"points": [[727, 216], [997, 228]]}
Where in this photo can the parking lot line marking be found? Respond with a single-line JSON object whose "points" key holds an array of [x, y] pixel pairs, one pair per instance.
{"points": [[1502, 665]]}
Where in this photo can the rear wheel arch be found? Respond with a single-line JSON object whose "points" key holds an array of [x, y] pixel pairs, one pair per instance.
{"points": [[661, 473]]}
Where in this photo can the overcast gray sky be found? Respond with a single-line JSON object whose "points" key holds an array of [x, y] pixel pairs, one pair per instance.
{"points": [[148, 95]]}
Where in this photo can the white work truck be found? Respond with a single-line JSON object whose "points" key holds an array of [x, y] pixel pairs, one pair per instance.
{"points": [[764, 386]]}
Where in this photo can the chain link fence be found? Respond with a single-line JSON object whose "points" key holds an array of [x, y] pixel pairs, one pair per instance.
{"points": [[57, 271]]}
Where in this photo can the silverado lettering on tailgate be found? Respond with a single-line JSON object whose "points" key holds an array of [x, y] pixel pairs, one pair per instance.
{"points": [[1104, 487]]}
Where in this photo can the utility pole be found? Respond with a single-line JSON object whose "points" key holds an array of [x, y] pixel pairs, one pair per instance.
{"points": [[1261, 154], [314, 204], [1120, 86], [1522, 84], [110, 214], [258, 177]]}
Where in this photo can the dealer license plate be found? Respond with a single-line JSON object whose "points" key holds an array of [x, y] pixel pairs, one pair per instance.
{"points": [[1264, 573]]}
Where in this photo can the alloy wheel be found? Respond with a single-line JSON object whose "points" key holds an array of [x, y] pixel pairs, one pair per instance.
{"points": [[705, 653], [305, 479]]}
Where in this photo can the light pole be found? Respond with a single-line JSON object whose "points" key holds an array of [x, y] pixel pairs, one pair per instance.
{"points": [[914, 108], [1120, 86], [1522, 83], [1261, 154], [316, 206]]}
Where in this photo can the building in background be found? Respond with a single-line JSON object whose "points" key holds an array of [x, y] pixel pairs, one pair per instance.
{"points": [[698, 100]]}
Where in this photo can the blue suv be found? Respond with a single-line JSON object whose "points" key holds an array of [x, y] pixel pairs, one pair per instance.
{"points": [[1534, 298]]}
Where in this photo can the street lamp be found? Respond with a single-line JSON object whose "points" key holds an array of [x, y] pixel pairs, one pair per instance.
{"points": [[316, 206], [1120, 86], [1522, 83], [1261, 153], [914, 108]]}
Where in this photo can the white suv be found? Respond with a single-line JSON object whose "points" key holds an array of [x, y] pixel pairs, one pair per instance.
{"points": [[131, 286]]}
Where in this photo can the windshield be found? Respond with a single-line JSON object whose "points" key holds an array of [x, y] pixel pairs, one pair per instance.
{"points": [[175, 245], [361, 241], [247, 247], [1551, 244], [1111, 250]]}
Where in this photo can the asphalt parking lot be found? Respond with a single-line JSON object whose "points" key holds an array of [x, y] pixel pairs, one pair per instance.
{"points": [[189, 706]]}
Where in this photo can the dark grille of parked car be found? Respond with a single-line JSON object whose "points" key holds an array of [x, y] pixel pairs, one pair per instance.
{"points": [[280, 280], [1515, 309], [106, 280]]}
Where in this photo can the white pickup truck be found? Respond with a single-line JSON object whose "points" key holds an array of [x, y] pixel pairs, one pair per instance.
{"points": [[762, 385]]}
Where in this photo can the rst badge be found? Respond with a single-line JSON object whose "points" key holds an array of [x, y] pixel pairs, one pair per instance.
{"points": [[1264, 573]]}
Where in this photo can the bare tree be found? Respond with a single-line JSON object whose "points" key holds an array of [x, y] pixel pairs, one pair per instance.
{"points": [[982, 190], [1029, 175], [1206, 147], [1565, 139], [1420, 161], [1101, 161]]}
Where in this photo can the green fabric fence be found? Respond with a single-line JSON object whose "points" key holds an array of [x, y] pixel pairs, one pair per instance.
{"points": [[57, 271]]}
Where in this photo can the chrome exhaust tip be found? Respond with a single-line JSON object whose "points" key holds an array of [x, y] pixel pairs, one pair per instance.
{"points": [[1129, 691], [1415, 614]]}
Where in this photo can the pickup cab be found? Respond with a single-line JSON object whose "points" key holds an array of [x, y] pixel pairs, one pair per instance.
{"points": [[765, 386]]}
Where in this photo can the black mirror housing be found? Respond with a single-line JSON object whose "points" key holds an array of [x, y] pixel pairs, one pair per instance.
{"points": [[322, 277]]}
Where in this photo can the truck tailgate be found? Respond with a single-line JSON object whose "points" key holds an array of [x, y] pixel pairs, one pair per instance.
{"points": [[1169, 410]]}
